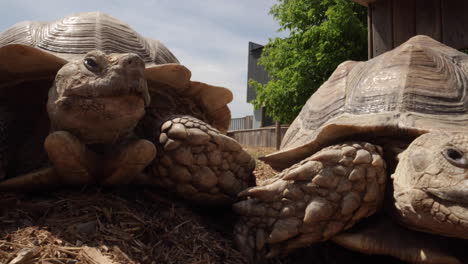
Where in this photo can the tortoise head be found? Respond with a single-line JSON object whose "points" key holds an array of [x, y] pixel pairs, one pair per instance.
{"points": [[99, 98], [431, 184], [100, 75]]}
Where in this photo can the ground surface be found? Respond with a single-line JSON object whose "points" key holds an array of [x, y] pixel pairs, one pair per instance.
{"points": [[109, 226], [262, 170], [132, 225]]}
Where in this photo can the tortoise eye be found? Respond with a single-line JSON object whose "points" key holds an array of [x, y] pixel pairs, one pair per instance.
{"points": [[90, 63], [455, 157]]}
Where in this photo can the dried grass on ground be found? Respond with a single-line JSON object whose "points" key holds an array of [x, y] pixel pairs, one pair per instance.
{"points": [[262, 171], [117, 226], [133, 225]]}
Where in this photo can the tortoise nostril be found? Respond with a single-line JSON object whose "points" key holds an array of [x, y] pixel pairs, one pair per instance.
{"points": [[131, 60]]}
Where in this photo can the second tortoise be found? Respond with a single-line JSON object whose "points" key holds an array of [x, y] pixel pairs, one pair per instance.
{"points": [[376, 161]]}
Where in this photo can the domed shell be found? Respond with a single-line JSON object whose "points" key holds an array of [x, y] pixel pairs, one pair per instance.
{"points": [[419, 86], [37, 50], [71, 37]]}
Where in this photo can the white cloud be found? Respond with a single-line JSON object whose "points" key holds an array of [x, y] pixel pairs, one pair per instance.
{"points": [[210, 37]]}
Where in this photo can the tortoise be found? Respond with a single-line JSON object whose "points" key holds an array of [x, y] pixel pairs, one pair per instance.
{"points": [[376, 161], [87, 100]]}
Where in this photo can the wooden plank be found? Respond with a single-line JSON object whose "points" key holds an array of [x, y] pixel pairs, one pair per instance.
{"points": [[404, 26], [370, 44], [455, 23], [382, 36], [278, 135], [428, 20], [365, 2], [264, 137]]}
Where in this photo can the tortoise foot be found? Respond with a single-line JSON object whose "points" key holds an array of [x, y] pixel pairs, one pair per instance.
{"points": [[126, 166], [311, 201], [200, 164], [35, 180], [71, 158]]}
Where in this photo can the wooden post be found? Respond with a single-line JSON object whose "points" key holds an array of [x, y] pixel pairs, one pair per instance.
{"points": [[370, 38], [278, 135], [262, 123], [382, 26]]}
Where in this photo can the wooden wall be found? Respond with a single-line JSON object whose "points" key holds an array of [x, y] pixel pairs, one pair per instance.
{"points": [[392, 22], [261, 137]]}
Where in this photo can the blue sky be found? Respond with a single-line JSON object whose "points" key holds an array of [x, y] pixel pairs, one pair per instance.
{"points": [[210, 37]]}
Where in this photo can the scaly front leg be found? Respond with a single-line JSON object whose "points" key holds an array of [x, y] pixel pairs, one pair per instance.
{"points": [[127, 163], [311, 201], [199, 163], [74, 162]]}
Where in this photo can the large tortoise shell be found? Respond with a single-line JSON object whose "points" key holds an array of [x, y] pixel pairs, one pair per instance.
{"points": [[418, 87], [74, 35]]}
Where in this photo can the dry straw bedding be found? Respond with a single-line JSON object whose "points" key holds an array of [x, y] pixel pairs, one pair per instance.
{"points": [[132, 225], [109, 226]]}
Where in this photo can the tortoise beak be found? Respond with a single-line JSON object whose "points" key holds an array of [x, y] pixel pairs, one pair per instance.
{"points": [[135, 68], [457, 193]]}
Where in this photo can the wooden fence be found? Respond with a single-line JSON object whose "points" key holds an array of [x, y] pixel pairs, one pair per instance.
{"points": [[245, 122], [260, 137]]}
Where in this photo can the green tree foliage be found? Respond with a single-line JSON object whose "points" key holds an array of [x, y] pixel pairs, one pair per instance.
{"points": [[322, 34]]}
